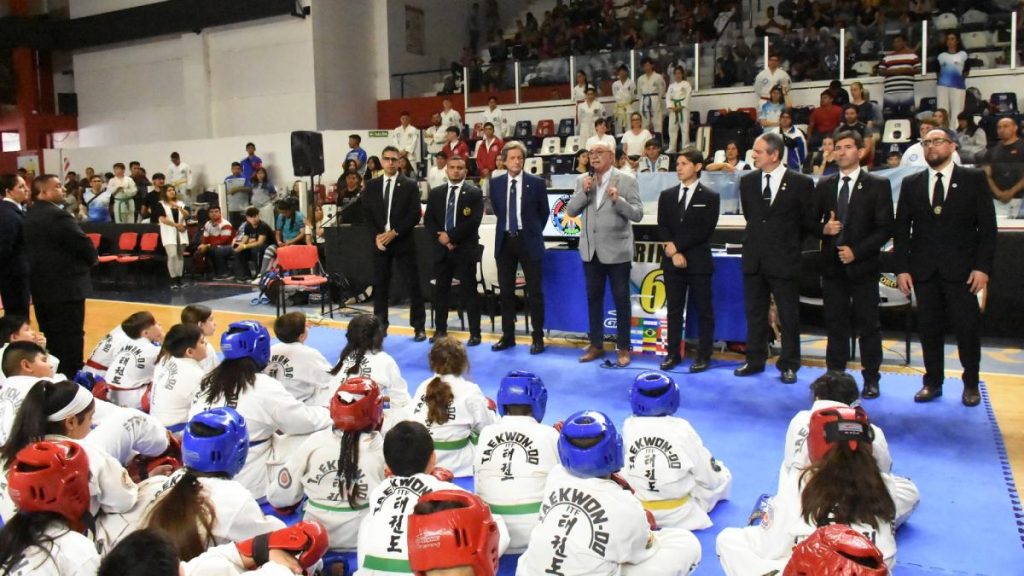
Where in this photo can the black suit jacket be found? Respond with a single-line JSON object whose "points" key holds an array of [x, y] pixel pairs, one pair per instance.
{"points": [[771, 240], [13, 260], [533, 196], [469, 210], [869, 224], [691, 233], [59, 253], [961, 239], [405, 210]]}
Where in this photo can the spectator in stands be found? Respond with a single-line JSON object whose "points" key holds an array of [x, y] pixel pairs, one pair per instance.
{"points": [[677, 100], [653, 160], [623, 163], [73, 203], [349, 165], [778, 100], [732, 160], [173, 217], [252, 239], [264, 194], [839, 94], [941, 117], [588, 111], [487, 150], [290, 230], [455, 146], [952, 74], [794, 140], [474, 23], [860, 99], [122, 195], [899, 68], [851, 122], [153, 197], [624, 92], [772, 76], [138, 175], [914, 155], [406, 138], [579, 89], [251, 161], [356, 152], [824, 120], [437, 174], [771, 24], [215, 245], [823, 162], [582, 163], [973, 141], [725, 68], [600, 134], [892, 160], [634, 140], [349, 187], [86, 178], [435, 134], [405, 168], [180, 175], [651, 88], [97, 200], [450, 117], [236, 186], [374, 169], [1003, 165], [496, 116]]}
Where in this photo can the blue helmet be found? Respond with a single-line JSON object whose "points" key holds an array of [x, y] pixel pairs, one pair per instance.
{"points": [[654, 394], [224, 452], [602, 458], [525, 388], [247, 339]]}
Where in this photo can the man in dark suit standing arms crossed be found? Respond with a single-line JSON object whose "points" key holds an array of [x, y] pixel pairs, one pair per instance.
{"points": [[687, 216], [14, 290], [452, 219], [778, 205], [521, 209], [60, 256], [855, 220], [945, 241], [392, 207]]}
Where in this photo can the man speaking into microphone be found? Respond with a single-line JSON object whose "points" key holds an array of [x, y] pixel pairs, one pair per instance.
{"points": [[608, 202]]}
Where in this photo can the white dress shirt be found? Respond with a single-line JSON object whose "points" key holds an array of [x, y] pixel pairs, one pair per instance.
{"points": [[947, 175], [518, 179], [388, 181], [690, 188], [775, 181], [453, 188]]}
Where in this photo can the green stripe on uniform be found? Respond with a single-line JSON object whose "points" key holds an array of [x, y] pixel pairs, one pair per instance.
{"points": [[386, 564], [513, 509], [337, 508], [451, 444]]}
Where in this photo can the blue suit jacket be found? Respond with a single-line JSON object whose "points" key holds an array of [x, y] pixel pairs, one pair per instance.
{"points": [[533, 196]]}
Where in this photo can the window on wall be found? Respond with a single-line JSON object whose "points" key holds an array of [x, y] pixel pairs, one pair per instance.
{"points": [[414, 31], [11, 142]]}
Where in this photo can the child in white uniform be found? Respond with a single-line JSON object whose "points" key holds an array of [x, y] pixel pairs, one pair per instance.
{"points": [[363, 356], [203, 317], [199, 505], [624, 92], [302, 369], [264, 403], [102, 356], [454, 409], [591, 523], [17, 329], [650, 87], [515, 455], [675, 477], [588, 111], [178, 374], [131, 373], [24, 364], [338, 468], [677, 100], [45, 538]]}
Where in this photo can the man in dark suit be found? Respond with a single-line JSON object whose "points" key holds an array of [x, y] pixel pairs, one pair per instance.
{"points": [[778, 205], [521, 209], [945, 241], [391, 205], [60, 256], [452, 219], [855, 219], [14, 289], [687, 216]]}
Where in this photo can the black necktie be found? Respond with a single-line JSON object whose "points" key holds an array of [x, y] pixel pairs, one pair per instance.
{"points": [[844, 200], [682, 202], [449, 216], [513, 209], [766, 195], [387, 199], [938, 193]]}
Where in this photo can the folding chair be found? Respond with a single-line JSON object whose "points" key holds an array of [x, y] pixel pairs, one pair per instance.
{"points": [[896, 131], [304, 260], [545, 128], [549, 147], [566, 127], [534, 166], [572, 145]]}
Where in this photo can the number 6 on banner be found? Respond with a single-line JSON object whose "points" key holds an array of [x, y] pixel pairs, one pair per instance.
{"points": [[652, 291]]}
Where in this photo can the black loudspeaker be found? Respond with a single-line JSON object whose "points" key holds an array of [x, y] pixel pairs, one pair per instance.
{"points": [[307, 153]]}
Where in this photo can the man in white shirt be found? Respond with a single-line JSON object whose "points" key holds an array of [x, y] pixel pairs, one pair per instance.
{"points": [[496, 116], [407, 139], [771, 76], [435, 136], [587, 112], [437, 173], [914, 156], [179, 175], [449, 115], [624, 92], [651, 88]]}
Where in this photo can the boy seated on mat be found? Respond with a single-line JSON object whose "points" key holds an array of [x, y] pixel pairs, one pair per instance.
{"points": [[302, 369], [17, 329], [131, 372]]}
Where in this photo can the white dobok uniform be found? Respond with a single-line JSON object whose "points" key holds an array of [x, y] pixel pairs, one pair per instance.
{"points": [[102, 356], [175, 383], [625, 98], [678, 94], [651, 91], [70, 554], [126, 432], [468, 413], [381, 368], [131, 372], [224, 560], [302, 370], [498, 119], [588, 114]]}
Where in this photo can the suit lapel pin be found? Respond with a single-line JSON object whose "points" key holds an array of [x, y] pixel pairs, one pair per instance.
{"points": [[860, 185], [954, 184]]}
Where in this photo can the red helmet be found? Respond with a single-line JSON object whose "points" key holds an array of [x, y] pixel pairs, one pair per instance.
{"points": [[463, 536], [51, 477], [364, 408], [836, 550], [830, 426]]}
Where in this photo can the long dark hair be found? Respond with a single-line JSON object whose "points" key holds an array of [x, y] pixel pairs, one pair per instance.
{"points": [[179, 338], [846, 487], [365, 334], [25, 530], [448, 356], [348, 466], [228, 380], [30, 425], [972, 127]]}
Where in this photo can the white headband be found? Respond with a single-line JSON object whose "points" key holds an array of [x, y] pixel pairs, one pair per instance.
{"points": [[80, 402]]}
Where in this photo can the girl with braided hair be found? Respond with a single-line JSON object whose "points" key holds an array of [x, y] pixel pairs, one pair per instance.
{"points": [[364, 356]]}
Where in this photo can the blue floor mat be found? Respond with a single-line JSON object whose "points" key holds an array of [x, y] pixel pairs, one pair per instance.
{"points": [[965, 524]]}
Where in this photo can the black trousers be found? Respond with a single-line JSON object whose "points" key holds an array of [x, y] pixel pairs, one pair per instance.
{"points": [[14, 292], [406, 261], [939, 302], [851, 307], [679, 282], [513, 254], [462, 266], [758, 290], [618, 275], [64, 326]]}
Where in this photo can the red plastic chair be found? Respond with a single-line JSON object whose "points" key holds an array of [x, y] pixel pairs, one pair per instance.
{"points": [[147, 245], [126, 245], [545, 128], [478, 131], [303, 258], [752, 112], [96, 240]]}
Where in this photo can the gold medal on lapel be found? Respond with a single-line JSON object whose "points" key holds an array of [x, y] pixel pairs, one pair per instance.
{"points": [[937, 210], [466, 211]]}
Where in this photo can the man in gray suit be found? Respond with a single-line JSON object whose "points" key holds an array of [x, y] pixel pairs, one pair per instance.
{"points": [[609, 202]]}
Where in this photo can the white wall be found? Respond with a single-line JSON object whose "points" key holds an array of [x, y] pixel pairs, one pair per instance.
{"points": [[345, 49]]}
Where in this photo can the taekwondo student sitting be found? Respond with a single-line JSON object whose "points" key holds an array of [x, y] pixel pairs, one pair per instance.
{"points": [[102, 356], [24, 364], [675, 477], [452, 533], [199, 505], [843, 485], [49, 484], [177, 376], [410, 474], [338, 468], [202, 316], [18, 329], [63, 411], [131, 372], [364, 356], [590, 520], [515, 455], [452, 408], [302, 369], [836, 549], [284, 552], [276, 421]]}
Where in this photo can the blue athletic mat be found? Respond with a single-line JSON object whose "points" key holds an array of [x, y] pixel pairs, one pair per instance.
{"points": [[968, 521]]}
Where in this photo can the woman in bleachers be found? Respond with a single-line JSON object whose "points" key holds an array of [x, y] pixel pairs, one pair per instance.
{"points": [[732, 163], [97, 200], [771, 109], [823, 163], [264, 194], [172, 216], [860, 99], [582, 165], [973, 141], [795, 140], [373, 167], [634, 140], [952, 74]]}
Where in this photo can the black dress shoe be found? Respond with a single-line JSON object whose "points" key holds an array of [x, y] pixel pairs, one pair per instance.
{"points": [[748, 370], [436, 336], [420, 336], [699, 365], [502, 345], [670, 362], [537, 347], [927, 393], [971, 396], [788, 376], [473, 341], [870, 390]]}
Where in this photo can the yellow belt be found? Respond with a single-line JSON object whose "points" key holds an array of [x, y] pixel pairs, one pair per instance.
{"points": [[665, 504]]}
